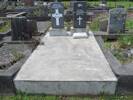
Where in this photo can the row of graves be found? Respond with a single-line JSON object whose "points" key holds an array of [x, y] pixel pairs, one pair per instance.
{"points": [[64, 63]]}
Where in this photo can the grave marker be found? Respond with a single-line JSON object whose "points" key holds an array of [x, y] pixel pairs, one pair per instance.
{"points": [[28, 2], [19, 29], [57, 15], [117, 18], [79, 14], [80, 20], [104, 1]]}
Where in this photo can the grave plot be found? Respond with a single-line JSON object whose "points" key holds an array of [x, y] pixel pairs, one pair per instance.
{"points": [[118, 45], [12, 57], [63, 65], [68, 68], [120, 66], [14, 51]]}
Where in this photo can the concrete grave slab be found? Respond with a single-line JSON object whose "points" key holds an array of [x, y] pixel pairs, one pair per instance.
{"points": [[66, 66]]}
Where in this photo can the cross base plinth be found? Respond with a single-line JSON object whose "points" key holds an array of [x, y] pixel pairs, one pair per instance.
{"points": [[58, 32]]}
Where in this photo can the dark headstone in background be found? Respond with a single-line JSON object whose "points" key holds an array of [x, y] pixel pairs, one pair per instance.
{"points": [[24, 9], [19, 29], [45, 11], [79, 14], [103, 25], [117, 19], [32, 27], [120, 6], [72, 3], [28, 2], [104, 1], [57, 15]]}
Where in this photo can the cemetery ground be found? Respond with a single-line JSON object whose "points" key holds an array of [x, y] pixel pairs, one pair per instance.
{"points": [[44, 97], [120, 46], [17, 52]]}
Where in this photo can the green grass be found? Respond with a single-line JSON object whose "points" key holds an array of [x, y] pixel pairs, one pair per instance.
{"points": [[124, 3], [112, 4], [26, 97], [123, 42], [5, 27], [94, 26], [129, 24]]}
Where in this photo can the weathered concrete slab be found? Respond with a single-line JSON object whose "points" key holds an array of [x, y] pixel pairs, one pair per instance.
{"points": [[43, 26], [66, 66]]}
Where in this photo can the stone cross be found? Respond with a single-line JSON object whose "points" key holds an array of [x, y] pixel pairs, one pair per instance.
{"points": [[57, 16], [79, 19]]}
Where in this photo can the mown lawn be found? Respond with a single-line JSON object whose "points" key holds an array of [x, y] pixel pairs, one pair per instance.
{"points": [[25, 97]]}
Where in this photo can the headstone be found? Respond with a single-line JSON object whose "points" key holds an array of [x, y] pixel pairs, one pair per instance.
{"points": [[72, 3], [104, 1], [32, 27], [57, 18], [117, 18], [57, 15], [80, 20], [120, 6], [28, 2], [80, 14], [24, 9], [103, 25], [45, 11], [19, 29]]}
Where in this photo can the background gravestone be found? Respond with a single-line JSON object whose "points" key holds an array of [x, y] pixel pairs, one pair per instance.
{"points": [[117, 18], [28, 2], [45, 11], [19, 29], [79, 14], [57, 15], [32, 27], [103, 25], [72, 3], [104, 1]]}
